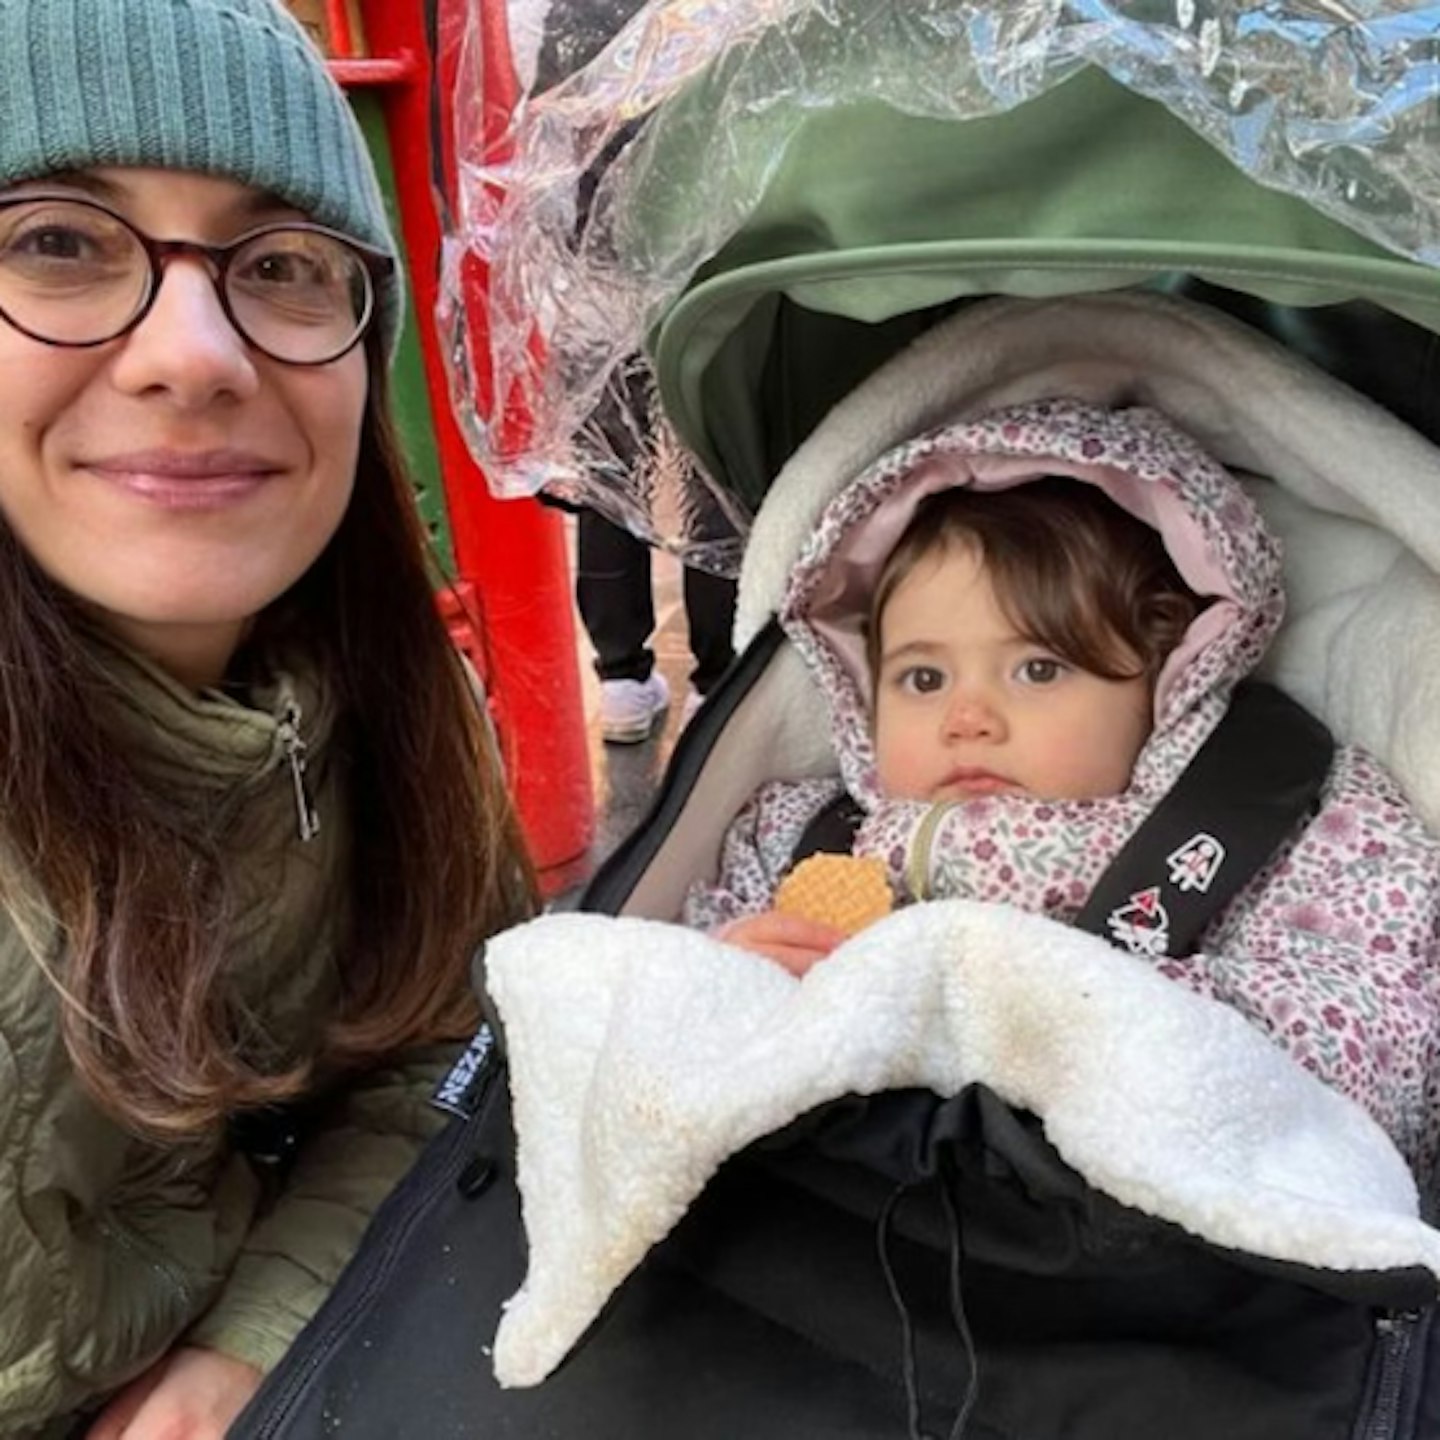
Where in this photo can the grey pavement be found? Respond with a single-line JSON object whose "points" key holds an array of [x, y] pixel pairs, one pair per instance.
{"points": [[625, 777]]}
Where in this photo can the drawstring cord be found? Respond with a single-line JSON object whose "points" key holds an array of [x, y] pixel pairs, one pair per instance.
{"points": [[957, 1311], [909, 1360], [907, 1332]]}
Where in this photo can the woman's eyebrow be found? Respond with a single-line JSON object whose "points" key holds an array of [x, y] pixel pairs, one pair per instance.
{"points": [[258, 204], [255, 205], [68, 180]]}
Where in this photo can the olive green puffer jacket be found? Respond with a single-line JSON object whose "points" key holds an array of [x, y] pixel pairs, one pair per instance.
{"points": [[112, 1249]]}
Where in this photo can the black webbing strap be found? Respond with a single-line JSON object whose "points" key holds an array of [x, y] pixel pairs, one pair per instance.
{"points": [[1250, 784], [831, 831], [1248, 787]]}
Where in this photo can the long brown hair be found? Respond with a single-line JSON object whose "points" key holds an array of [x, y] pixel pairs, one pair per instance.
{"points": [[150, 1021], [1072, 571]]}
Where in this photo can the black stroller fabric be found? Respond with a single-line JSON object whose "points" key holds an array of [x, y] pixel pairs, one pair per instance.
{"points": [[766, 1315]]}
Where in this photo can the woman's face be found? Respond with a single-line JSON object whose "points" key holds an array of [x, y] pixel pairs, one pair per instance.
{"points": [[175, 479]]}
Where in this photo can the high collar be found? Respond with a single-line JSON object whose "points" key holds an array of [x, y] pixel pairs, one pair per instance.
{"points": [[211, 739]]}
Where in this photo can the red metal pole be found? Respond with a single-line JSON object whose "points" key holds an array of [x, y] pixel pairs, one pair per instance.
{"points": [[510, 555], [337, 25]]}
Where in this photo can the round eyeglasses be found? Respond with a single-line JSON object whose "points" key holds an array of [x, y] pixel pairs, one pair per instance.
{"points": [[73, 272]]}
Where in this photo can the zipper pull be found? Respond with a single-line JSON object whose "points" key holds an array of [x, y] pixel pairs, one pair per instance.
{"points": [[295, 748], [917, 867]]}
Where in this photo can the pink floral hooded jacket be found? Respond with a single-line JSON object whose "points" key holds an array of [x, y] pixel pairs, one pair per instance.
{"points": [[1330, 950]]}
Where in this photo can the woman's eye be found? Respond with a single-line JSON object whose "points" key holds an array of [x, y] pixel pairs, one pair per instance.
{"points": [[59, 244], [66, 244], [283, 267], [55, 242], [1041, 670]]}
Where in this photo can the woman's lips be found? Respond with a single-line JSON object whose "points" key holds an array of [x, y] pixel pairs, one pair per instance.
{"points": [[179, 480]]}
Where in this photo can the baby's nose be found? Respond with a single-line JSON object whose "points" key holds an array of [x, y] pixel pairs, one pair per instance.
{"points": [[972, 715]]}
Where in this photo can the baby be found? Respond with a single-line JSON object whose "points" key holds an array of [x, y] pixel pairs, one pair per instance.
{"points": [[1025, 627], [1013, 645]]}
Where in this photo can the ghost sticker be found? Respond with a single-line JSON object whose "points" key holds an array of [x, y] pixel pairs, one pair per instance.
{"points": [[1141, 924], [1196, 863]]}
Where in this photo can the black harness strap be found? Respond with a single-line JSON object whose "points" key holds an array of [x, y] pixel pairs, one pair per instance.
{"points": [[831, 831], [1249, 786]]}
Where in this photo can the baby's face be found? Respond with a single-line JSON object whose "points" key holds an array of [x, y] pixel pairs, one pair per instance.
{"points": [[965, 706]]}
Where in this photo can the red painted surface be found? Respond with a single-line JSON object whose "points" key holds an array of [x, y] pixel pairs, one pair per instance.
{"points": [[513, 572], [337, 27]]}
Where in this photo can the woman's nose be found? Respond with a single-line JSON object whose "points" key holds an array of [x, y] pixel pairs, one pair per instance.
{"points": [[186, 346]]}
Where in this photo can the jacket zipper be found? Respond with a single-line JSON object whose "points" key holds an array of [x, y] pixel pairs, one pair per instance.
{"points": [[917, 868], [1395, 1332], [295, 751]]}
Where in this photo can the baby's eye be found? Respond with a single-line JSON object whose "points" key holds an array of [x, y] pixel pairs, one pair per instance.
{"points": [[920, 680], [1041, 670]]}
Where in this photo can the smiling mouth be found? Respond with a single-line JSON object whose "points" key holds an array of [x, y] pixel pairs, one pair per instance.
{"points": [[172, 480]]}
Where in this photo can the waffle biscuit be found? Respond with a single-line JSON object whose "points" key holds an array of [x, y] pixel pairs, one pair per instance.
{"points": [[846, 891]]}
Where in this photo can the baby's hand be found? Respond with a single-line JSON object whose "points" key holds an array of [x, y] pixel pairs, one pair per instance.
{"points": [[791, 941]]}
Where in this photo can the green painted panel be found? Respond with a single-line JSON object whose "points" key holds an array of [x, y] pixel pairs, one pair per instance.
{"points": [[411, 393]]}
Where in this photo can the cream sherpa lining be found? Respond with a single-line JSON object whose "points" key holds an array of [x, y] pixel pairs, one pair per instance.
{"points": [[1352, 492], [642, 1055]]}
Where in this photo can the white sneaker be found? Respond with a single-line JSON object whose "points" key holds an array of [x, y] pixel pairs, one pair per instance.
{"points": [[693, 701], [629, 709]]}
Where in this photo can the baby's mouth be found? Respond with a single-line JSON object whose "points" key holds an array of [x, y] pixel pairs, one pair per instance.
{"points": [[969, 784]]}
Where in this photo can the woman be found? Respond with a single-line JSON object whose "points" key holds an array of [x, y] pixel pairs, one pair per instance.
{"points": [[252, 829]]}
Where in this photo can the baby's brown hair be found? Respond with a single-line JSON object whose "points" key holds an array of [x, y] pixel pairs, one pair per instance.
{"points": [[1072, 571]]}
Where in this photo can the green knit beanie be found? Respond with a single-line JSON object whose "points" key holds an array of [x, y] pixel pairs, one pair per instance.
{"points": [[225, 87]]}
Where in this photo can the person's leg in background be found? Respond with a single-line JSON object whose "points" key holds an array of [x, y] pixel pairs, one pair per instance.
{"points": [[710, 614], [613, 595]]}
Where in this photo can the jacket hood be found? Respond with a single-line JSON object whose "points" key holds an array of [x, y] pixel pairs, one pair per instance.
{"points": [[1210, 527]]}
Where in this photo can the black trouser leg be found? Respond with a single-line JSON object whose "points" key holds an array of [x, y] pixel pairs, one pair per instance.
{"points": [[612, 591], [710, 613]]}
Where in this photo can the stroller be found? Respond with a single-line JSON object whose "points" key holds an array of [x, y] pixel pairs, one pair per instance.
{"points": [[854, 1247]]}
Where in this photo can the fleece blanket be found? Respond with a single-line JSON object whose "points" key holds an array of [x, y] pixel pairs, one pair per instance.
{"points": [[1352, 492], [643, 1054]]}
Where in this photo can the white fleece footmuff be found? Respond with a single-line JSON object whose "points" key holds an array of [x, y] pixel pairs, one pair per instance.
{"points": [[642, 1055]]}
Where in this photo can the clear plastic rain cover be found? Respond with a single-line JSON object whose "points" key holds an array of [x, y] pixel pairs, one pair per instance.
{"points": [[1335, 101]]}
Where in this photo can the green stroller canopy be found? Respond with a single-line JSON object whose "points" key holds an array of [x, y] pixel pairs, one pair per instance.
{"points": [[775, 195], [877, 217]]}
